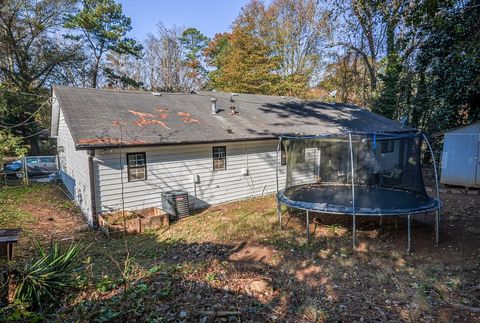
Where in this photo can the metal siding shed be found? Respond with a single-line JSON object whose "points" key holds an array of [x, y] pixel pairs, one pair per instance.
{"points": [[460, 156]]}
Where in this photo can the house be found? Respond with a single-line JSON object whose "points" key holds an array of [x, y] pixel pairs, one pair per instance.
{"points": [[461, 156], [218, 147]]}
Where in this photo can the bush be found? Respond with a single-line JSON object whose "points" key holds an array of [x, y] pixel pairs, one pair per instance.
{"points": [[47, 278]]}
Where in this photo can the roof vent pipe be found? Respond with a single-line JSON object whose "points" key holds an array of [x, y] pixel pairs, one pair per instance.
{"points": [[232, 95], [214, 105]]}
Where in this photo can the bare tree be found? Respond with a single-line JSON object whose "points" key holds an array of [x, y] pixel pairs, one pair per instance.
{"points": [[298, 31], [164, 63]]}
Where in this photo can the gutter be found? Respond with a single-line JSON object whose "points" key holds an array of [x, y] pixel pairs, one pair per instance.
{"points": [[173, 143], [91, 157]]}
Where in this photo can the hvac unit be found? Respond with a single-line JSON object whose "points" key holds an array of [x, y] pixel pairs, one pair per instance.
{"points": [[175, 203]]}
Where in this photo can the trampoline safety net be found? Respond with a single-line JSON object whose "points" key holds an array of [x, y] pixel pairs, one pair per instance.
{"points": [[386, 173]]}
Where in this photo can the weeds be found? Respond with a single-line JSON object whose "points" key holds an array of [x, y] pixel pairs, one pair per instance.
{"points": [[210, 277], [106, 284]]}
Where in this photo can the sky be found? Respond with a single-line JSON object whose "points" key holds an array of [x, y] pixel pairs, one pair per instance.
{"points": [[208, 16]]}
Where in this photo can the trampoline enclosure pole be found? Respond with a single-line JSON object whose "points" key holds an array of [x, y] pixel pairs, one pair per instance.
{"points": [[353, 191], [279, 207], [276, 166], [437, 213], [409, 229]]}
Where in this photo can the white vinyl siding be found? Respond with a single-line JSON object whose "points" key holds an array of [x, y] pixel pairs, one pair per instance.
{"points": [[304, 171], [177, 167], [388, 160], [74, 172]]}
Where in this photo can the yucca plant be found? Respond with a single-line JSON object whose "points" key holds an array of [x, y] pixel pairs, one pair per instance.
{"points": [[46, 279]]}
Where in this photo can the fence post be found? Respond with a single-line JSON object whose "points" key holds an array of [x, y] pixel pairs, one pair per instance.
{"points": [[25, 171]]}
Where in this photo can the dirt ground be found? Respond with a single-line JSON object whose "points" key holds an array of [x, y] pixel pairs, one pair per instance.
{"points": [[231, 263]]}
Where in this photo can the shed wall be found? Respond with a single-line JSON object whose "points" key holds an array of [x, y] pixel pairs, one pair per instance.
{"points": [[173, 167], [460, 156]]}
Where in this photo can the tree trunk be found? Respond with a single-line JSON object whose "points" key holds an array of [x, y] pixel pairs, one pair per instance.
{"points": [[34, 146], [95, 72]]}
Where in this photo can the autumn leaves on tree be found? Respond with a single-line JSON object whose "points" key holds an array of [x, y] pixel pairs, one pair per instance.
{"points": [[274, 49]]}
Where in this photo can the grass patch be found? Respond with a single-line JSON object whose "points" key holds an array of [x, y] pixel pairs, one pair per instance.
{"points": [[11, 213], [247, 220]]}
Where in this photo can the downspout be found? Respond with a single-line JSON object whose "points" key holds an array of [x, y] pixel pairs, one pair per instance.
{"points": [[91, 157]]}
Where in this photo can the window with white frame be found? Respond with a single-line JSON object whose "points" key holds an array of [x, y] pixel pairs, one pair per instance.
{"points": [[219, 155], [137, 167]]}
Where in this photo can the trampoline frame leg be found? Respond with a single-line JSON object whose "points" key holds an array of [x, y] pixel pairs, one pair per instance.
{"points": [[308, 227], [437, 227], [354, 231], [409, 232], [279, 214]]}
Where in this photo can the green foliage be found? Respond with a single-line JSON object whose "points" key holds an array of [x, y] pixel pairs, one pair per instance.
{"points": [[210, 277], [10, 145], [19, 312], [215, 54], [388, 101], [106, 284], [102, 27], [107, 315], [448, 65], [46, 279], [30, 52], [194, 43]]}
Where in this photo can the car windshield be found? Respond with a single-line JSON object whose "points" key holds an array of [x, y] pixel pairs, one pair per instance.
{"points": [[47, 159]]}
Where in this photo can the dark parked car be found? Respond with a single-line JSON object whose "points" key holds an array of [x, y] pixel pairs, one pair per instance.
{"points": [[13, 167]]}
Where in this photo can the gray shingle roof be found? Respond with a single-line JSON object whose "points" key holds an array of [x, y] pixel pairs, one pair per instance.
{"points": [[104, 118]]}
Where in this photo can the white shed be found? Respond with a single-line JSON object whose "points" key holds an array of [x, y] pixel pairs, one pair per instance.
{"points": [[460, 156]]}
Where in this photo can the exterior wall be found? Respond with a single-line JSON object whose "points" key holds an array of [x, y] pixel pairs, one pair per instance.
{"points": [[74, 168], [460, 156], [174, 167], [387, 161], [305, 172]]}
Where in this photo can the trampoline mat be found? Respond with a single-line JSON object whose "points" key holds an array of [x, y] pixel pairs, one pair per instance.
{"points": [[369, 200]]}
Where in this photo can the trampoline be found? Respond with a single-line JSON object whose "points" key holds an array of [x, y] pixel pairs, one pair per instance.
{"points": [[356, 174]]}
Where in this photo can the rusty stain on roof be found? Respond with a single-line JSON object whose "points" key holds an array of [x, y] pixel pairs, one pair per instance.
{"points": [[143, 121], [186, 117], [109, 140], [149, 119], [141, 114], [117, 123], [191, 120], [160, 109]]}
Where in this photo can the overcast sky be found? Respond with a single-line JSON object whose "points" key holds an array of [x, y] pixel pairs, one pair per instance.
{"points": [[209, 16]]}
